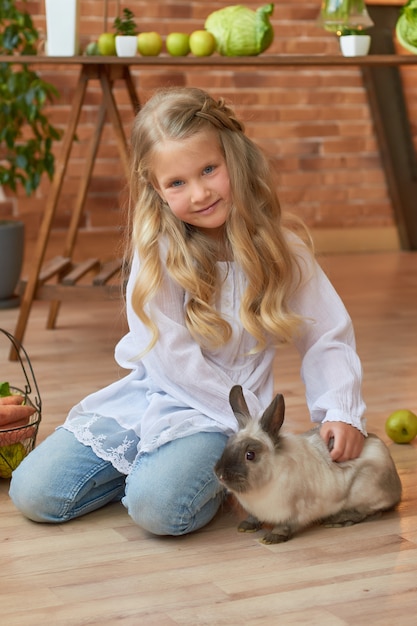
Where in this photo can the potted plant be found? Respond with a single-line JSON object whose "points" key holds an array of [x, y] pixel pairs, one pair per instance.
{"points": [[126, 34], [354, 42], [26, 136], [348, 19]]}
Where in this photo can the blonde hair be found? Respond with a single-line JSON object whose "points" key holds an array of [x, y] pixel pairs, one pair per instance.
{"points": [[254, 232]]}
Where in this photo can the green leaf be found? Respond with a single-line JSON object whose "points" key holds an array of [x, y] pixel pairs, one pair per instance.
{"points": [[21, 161], [4, 390], [126, 24]]}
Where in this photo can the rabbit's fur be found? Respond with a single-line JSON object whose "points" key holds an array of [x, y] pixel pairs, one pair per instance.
{"points": [[290, 481]]}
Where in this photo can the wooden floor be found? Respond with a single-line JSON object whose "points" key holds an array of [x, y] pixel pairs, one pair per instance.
{"points": [[102, 569]]}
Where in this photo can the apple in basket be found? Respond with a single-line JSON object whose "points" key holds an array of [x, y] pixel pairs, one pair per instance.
{"points": [[10, 457]]}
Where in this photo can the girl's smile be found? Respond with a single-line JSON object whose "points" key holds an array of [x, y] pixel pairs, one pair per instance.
{"points": [[208, 210], [192, 178]]}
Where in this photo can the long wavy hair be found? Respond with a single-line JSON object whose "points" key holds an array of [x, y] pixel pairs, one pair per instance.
{"points": [[254, 233]]}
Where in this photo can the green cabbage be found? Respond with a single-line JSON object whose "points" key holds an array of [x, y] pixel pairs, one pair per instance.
{"points": [[406, 28], [239, 31]]}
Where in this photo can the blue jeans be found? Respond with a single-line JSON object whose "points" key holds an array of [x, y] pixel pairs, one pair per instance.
{"points": [[171, 491]]}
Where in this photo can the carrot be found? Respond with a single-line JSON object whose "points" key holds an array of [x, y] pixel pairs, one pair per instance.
{"points": [[13, 399], [16, 436], [11, 413], [16, 424]]}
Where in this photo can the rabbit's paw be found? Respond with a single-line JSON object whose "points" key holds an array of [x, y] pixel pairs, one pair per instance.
{"points": [[249, 525], [328, 524], [271, 538], [279, 534], [347, 518]]}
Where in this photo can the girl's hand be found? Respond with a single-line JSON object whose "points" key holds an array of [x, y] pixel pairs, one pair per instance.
{"points": [[347, 440]]}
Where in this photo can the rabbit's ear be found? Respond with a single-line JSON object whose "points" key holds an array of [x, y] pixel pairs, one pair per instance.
{"points": [[273, 417], [239, 406]]}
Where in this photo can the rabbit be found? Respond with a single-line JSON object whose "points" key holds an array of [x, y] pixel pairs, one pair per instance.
{"points": [[290, 481]]}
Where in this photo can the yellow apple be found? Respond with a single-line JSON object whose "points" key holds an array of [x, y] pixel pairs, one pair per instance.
{"points": [[106, 44], [10, 457], [178, 44], [202, 43], [149, 44], [401, 426]]}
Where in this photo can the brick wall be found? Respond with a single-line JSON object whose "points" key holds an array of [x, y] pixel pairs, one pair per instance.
{"points": [[315, 123]]}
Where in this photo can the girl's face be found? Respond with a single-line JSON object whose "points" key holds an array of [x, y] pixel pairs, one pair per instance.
{"points": [[192, 178]]}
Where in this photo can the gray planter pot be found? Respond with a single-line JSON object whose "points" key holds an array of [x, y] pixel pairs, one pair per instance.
{"points": [[11, 261]]}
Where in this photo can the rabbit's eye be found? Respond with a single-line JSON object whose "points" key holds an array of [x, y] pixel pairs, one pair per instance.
{"points": [[250, 455]]}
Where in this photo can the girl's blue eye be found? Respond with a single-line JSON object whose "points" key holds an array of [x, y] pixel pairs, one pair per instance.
{"points": [[208, 169], [176, 183]]}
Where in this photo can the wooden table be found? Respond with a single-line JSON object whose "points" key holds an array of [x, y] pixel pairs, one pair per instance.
{"points": [[390, 121]]}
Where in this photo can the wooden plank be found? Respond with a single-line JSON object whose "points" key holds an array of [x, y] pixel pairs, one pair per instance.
{"points": [[57, 265], [80, 270], [78, 292], [218, 62], [387, 3], [107, 271]]}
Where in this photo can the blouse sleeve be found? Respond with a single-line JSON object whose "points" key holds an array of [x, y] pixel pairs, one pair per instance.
{"points": [[330, 369], [176, 363]]}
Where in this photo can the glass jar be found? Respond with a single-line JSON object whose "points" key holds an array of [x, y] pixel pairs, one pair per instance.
{"points": [[340, 16]]}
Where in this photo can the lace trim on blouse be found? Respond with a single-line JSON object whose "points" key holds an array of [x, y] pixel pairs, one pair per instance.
{"points": [[108, 440]]}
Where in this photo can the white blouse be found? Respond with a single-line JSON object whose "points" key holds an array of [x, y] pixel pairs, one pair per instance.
{"points": [[178, 389]]}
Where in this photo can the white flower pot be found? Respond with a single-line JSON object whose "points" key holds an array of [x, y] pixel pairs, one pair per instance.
{"points": [[355, 45], [62, 28], [126, 45]]}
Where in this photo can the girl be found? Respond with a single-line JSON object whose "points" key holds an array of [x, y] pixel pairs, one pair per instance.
{"points": [[216, 284]]}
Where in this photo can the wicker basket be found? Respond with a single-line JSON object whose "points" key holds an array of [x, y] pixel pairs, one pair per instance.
{"points": [[16, 443]]}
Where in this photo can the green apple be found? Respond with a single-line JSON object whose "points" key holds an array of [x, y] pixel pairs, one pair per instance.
{"points": [[92, 49], [106, 44], [401, 426], [149, 44], [202, 43], [178, 44]]}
